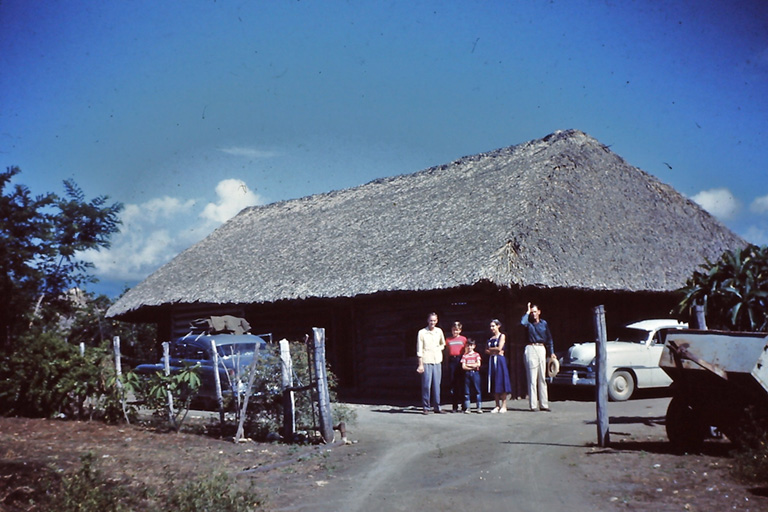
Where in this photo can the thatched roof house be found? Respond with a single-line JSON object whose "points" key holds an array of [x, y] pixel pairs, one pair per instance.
{"points": [[558, 213]]}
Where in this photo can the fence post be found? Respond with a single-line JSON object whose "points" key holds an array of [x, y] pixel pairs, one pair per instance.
{"points": [[217, 380], [118, 373], [251, 377], [601, 388], [289, 412], [701, 317], [323, 396], [118, 360], [167, 365]]}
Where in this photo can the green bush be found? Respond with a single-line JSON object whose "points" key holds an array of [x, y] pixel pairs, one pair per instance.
{"points": [[87, 489], [153, 390], [45, 376], [750, 459], [265, 410], [265, 407], [733, 290], [751, 462], [218, 492]]}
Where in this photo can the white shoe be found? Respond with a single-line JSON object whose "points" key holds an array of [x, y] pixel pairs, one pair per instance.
{"points": [[494, 410], [503, 410]]}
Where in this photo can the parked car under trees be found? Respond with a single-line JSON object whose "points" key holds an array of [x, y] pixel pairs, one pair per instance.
{"points": [[632, 360]]}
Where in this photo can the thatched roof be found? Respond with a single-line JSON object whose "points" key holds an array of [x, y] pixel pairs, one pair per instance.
{"points": [[562, 211]]}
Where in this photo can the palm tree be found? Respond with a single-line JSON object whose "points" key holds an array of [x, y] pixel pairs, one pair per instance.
{"points": [[733, 290]]}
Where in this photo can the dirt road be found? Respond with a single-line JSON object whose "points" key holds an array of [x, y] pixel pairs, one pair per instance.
{"points": [[402, 460], [519, 461]]}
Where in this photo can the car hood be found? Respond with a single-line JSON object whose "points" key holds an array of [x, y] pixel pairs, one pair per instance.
{"points": [[240, 361], [584, 353]]}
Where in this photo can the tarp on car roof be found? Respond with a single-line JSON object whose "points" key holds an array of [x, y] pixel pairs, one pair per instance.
{"points": [[226, 324]]}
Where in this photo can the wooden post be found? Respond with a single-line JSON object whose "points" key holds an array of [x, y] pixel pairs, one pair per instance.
{"points": [[251, 377], [701, 318], [289, 412], [118, 373], [118, 360], [323, 396], [601, 388], [167, 365], [217, 380]]}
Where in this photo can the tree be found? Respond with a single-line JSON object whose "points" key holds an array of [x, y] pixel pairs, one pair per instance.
{"points": [[88, 324], [40, 240], [733, 290]]}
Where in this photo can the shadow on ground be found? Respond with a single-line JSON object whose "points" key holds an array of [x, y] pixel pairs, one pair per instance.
{"points": [[715, 448], [562, 393]]}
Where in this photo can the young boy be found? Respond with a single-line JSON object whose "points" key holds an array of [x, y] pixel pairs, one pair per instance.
{"points": [[457, 345], [471, 362]]}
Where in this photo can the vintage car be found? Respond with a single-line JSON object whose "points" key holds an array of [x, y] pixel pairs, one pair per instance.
{"points": [[236, 352], [632, 360]]}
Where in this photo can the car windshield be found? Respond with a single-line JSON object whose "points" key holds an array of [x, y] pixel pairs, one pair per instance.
{"points": [[631, 335], [236, 349]]}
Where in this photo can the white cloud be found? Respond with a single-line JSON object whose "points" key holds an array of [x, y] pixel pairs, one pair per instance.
{"points": [[248, 152], [234, 195], [759, 205], [154, 232], [720, 202], [134, 216], [756, 235]]}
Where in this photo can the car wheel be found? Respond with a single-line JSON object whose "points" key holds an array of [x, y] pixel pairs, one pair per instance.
{"points": [[621, 386], [685, 429]]}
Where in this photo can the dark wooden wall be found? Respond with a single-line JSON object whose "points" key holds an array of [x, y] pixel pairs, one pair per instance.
{"points": [[371, 340]]}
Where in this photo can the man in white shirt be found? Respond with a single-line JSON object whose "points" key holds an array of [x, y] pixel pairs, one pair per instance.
{"points": [[429, 350]]}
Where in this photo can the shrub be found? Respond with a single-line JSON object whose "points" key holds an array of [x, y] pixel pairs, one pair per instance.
{"points": [[265, 407], [87, 490], [153, 392], [217, 492], [733, 290], [751, 456], [46, 376]]}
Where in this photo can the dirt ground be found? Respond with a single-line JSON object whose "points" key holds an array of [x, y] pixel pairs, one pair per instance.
{"points": [[399, 459]]}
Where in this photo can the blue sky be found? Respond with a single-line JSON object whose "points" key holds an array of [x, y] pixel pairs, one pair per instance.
{"points": [[187, 111]]}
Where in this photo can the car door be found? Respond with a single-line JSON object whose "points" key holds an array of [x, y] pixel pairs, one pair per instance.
{"points": [[656, 376], [195, 353]]}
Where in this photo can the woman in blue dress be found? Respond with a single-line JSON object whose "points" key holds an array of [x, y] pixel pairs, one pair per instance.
{"points": [[498, 374]]}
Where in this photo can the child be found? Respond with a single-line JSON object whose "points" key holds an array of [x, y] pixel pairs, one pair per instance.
{"points": [[471, 362], [457, 345]]}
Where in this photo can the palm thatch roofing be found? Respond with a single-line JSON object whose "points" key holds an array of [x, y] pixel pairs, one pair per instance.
{"points": [[562, 211]]}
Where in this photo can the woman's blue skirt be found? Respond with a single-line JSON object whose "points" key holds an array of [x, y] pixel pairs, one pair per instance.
{"points": [[498, 375]]}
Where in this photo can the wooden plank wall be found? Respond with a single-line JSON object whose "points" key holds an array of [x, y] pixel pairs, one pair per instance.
{"points": [[371, 340], [292, 320], [388, 327]]}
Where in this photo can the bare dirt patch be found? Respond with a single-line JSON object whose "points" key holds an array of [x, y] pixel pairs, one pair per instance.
{"points": [[405, 461], [646, 475]]}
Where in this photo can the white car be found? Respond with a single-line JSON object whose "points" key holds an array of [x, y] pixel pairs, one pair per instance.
{"points": [[632, 360]]}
